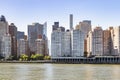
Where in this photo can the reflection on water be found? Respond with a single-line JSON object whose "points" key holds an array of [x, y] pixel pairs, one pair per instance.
{"points": [[59, 72]]}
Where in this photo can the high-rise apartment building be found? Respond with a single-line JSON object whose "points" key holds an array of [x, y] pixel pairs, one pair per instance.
{"points": [[66, 42], [40, 46], [5, 41], [107, 43], [56, 43], [61, 44], [6, 46], [116, 41], [13, 33], [97, 41], [77, 41], [22, 47]]}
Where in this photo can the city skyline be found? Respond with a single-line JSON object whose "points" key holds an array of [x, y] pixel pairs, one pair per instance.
{"points": [[103, 13]]}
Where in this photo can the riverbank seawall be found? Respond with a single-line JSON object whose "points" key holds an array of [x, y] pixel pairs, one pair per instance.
{"points": [[85, 60], [75, 60]]}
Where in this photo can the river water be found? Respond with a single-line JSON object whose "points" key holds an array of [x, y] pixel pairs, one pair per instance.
{"points": [[13, 71]]}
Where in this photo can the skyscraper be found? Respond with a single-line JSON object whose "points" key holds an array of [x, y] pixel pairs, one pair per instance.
{"points": [[13, 33], [97, 41], [71, 21], [45, 30], [34, 31], [5, 41]]}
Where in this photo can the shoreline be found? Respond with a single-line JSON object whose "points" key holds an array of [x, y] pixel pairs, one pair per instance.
{"points": [[51, 62], [39, 61]]}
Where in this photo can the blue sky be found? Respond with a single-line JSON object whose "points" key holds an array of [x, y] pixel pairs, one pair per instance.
{"points": [[23, 12]]}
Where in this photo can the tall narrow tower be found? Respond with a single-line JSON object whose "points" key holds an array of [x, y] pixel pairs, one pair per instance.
{"points": [[71, 21]]}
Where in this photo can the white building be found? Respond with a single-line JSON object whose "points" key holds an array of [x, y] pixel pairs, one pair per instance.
{"points": [[5, 42], [77, 41], [6, 46], [66, 47], [116, 41], [56, 43]]}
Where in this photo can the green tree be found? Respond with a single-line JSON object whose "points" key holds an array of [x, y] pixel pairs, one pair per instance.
{"points": [[23, 57], [39, 57], [47, 57], [33, 57]]}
